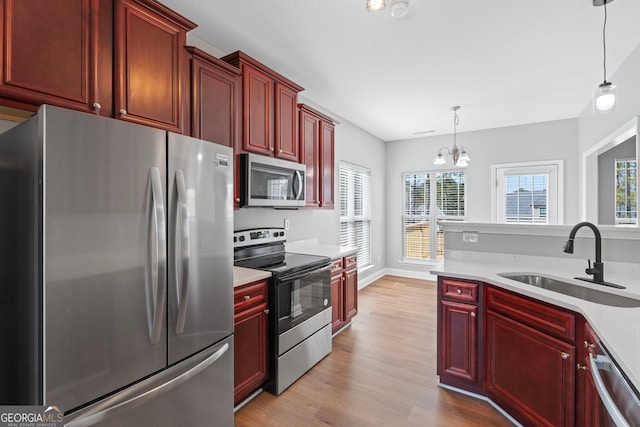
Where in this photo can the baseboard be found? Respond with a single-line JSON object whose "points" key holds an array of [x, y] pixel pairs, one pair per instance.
{"points": [[485, 398]]}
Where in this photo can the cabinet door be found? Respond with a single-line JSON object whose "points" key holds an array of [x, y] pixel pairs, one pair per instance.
{"points": [[337, 286], [215, 100], [327, 164], [257, 111], [309, 155], [50, 52], [250, 367], [458, 340], [149, 67], [286, 123], [530, 374], [350, 294]]}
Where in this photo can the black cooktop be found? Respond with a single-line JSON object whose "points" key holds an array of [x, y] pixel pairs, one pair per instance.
{"points": [[263, 249], [285, 262]]}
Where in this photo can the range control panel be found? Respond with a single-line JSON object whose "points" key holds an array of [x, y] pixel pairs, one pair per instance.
{"points": [[258, 236]]}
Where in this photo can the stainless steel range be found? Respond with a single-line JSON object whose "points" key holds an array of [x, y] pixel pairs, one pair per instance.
{"points": [[299, 303]]}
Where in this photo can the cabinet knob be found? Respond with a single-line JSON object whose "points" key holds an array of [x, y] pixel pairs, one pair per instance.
{"points": [[266, 311], [271, 149], [280, 151], [581, 367], [459, 291], [587, 344], [237, 199], [96, 106], [123, 112], [564, 355], [473, 314], [247, 297]]}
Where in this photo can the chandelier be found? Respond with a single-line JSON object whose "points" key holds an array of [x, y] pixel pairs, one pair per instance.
{"points": [[459, 156]]}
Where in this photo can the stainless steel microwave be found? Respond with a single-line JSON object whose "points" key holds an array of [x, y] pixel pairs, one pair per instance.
{"points": [[270, 182]]}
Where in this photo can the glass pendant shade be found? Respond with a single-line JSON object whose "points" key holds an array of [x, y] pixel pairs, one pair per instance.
{"points": [[464, 156], [605, 98], [439, 160], [375, 5]]}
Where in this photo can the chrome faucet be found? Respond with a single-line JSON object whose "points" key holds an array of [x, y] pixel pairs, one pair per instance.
{"points": [[597, 270], [598, 267]]}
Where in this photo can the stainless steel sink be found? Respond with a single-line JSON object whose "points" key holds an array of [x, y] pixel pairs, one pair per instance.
{"points": [[571, 289]]}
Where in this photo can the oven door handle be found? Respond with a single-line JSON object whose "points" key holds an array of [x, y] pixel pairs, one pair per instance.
{"points": [[304, 273], [608, 402]]}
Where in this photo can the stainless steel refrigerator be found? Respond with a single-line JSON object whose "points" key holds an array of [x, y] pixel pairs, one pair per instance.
{"points": [[116, 293]]}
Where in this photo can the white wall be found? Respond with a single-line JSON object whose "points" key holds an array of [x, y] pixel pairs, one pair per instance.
{"points": [[532, 142], [596, 130]]}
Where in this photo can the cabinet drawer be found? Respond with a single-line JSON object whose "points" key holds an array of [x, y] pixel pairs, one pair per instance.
{"points": [[350, 262], [459, 291], [247, 296], [543, 317], [336, 267]]}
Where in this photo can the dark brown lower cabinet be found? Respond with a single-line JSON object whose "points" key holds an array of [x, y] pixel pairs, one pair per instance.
{"points": [[530, 374], [590, 412], [251, 368], [460, 326], [344, 291]]}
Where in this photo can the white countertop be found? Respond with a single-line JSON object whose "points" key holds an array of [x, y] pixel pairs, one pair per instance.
{"points": [[311, 247], [242, 276], [618, 328]]}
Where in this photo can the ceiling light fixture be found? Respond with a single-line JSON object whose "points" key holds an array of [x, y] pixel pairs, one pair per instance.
{"points": [[605, 99], [399, 9], [375, 5], [458, 154]]}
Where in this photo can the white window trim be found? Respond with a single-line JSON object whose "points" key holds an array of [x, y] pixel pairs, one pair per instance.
{"points": [[618, 221], [536, 167]]}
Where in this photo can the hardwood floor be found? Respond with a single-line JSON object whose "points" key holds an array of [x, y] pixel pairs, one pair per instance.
{"points": [[381, 372]]}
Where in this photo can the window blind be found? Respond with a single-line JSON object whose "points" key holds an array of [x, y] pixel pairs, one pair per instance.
{"points": [[355, 210], [422, 236], [526, 198]]}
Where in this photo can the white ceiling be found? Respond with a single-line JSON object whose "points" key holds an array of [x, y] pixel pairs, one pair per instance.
{"points": [[506, 62]]}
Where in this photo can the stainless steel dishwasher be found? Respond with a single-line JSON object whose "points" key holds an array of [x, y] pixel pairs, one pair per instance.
{"points": [[618, 395]]}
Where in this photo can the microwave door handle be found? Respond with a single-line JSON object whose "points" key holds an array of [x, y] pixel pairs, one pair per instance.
{"points": [[608, 402], [182, 281], [298, 177]]}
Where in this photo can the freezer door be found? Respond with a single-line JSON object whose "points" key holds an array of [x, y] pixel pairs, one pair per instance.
{"points": [[200, 236], [195, 392], [104, 255]]}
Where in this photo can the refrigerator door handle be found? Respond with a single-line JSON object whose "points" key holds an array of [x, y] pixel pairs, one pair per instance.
{"points": [[182, 226], [156, 258], [124, 403]]}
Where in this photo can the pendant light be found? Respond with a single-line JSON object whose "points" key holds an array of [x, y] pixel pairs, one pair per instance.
{"points": [[605, 99], [375, 5], [459, 155]]}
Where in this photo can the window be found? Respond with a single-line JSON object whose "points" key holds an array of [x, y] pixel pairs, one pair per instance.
{"points": [[528, 193], [422, 237], [355, 210], [626, 192]]}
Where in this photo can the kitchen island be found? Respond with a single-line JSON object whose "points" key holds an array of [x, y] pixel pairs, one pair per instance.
{"points": [[538, 251]]}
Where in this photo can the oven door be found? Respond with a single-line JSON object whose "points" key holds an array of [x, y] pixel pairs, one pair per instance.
{"points": [[301, 296]]}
